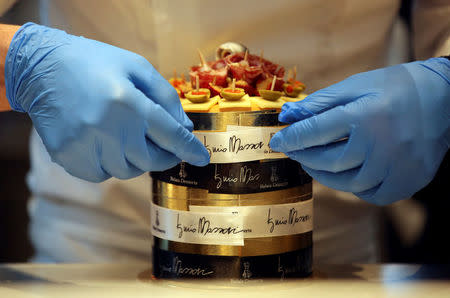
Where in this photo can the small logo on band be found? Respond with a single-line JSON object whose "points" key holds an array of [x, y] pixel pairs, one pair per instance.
{"points": [[157, 218], [156, 226], [247, 273], [274, 176], [181, 177], [182, 173]]}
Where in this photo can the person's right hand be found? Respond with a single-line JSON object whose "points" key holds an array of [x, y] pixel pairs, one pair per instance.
{"points": [[101, 111]]}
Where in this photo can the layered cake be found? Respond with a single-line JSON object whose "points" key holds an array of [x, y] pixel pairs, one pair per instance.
{"points": [[248, 214]]}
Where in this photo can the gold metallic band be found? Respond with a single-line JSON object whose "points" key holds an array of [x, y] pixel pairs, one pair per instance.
{"points": [[252, 246], [181, 197], [219, 121]]}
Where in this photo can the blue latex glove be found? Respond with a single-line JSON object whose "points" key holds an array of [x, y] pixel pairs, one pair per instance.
{"points": [[101, 111], [380, 135]]}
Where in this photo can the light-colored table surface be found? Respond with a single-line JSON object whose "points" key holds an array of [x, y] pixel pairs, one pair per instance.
{"points": [[134, 280]]}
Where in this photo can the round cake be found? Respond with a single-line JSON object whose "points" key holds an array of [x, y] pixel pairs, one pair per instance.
{"points": [[249, 213]]}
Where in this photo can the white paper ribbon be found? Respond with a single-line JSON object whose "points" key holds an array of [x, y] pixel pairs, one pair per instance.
{"points": [[197, 227], [240, 143], [231, 225]]}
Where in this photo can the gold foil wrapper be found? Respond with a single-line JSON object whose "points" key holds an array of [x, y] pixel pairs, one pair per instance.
{"points": [[181, 197]]}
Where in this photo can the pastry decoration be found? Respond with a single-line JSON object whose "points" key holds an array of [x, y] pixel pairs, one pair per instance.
{"points": [[270, 94], [232, 93], [292, 87], [237, 81], [198, 95]]}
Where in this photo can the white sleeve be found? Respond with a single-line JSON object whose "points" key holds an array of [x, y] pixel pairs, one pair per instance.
{"points": [[431, 28], [5, 5]]}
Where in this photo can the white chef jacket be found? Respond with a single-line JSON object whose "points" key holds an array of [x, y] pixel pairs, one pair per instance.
{"points": [[5, 5], [77, 221]]}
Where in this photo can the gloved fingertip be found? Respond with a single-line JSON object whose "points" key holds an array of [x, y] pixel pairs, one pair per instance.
{"points": [[202, 159], [291, 155], [281, 116], [285, 107], [275, 142], [369, 194], [188, 124], [91, 177], [285, 117], [293, 112], [201, 163]]}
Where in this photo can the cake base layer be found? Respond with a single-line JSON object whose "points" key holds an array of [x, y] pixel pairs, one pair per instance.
{"points": [[167, 264]]}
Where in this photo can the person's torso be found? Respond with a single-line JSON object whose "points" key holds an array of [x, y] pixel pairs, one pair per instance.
{"points": [[326, 40]]}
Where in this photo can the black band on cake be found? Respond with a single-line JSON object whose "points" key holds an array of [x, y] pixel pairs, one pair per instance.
{"points": [[237, 178], [168, 264]]}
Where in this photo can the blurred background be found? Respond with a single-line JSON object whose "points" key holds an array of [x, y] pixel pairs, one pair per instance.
{"points": [[14, 163], [414, 230]]}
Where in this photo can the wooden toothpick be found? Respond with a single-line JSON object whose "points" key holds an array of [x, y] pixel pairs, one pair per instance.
{"points": [[273, 83], [196, 83], [202, 59], [233, 84]]}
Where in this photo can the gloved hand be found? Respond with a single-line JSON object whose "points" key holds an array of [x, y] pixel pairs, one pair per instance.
{"points": [[101, 111], [380, 134]]}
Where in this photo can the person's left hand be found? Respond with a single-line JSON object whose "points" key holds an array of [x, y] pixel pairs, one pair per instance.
{"points": [[380, 135]]}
